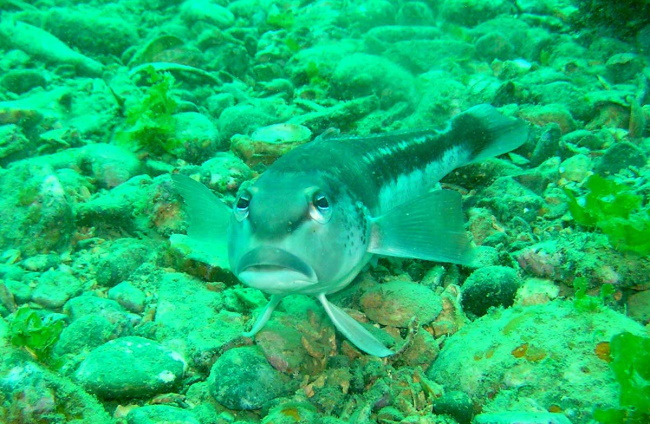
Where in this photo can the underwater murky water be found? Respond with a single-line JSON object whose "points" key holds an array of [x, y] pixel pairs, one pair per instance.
{"points": [[482, 264]]}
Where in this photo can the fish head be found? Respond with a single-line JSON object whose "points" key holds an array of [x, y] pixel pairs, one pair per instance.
{"points": [[297, 233]]}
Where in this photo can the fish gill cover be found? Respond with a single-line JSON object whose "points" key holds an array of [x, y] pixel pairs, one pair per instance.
{"points": [[104, 320]]}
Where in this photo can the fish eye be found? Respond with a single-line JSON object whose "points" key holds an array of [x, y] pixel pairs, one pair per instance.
{"points": [[241, 205], [319, 208]]}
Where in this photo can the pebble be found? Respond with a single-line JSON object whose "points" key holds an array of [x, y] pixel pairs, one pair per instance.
{"points": [[55, 288], [487, 287], [397, 302], [84, 334], [456, 404], [159, 414], [639, 306], [469, 14], [130, 367], [198, 136], [204, 10], [242, 379], [576, 168], [20, 81], [129, 296]]}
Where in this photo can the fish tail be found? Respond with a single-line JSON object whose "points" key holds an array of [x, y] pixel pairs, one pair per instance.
{"points": [[486, 132]]}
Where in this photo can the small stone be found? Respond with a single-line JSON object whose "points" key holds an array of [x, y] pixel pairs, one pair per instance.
{"points": [[623, 67], [158, 414], [55, 288], [268, 143], [619, 156], [546, 114], [226, 172], [488, 287], [472, 12], [198, 136], [41, 262], [396, 303], [92, 305], [20, 81], [130, 367], [242, 379], [129, 296], [208, 12]]}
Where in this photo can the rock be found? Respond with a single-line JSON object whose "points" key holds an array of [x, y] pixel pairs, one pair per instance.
{"points": [[360, 75], [623, 67], [268, 143], [414, 13], [55, 288], [41, 263], [20, 81], [397, 302], [158, 414], [13, 143], [638, 306], [494, 45], [208, 12], [522, 417], [43, 45], [36, 394], [198, 136], [471, 12], [509, 199], [242, 379], [130, 367], [368, 15], [129, 296], [36, 213], [567, 94], [119, 261], [491, 286], [545, 114], [84, 334], [552, 350], [620, 156], [87, 304], [110, 165], [420, 56], [456, 404], [105, 32], [242, 119], [576, 168], [226, 172]]}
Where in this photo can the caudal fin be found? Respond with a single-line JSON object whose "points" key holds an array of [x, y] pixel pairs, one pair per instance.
{"points": [[486, 132]]}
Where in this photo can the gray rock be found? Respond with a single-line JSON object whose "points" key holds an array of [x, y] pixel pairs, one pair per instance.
{"points": [[619, 156], [129, 296], [55, 288], [130, 367], [92, 305], [397, 302], [242, 119], [487, 287], [242, 379], [20, 81], [509, 199], [456, 404], [494, 45], [158, 414], [623, 67]]}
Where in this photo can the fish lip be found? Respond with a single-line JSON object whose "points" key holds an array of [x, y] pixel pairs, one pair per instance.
{"points": [[270, 259]]}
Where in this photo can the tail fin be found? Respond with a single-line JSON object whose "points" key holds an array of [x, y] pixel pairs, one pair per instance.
{"points": [[487, 132]]}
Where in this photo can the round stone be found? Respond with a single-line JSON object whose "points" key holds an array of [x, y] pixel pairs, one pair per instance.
{"points": [[130, 367]]}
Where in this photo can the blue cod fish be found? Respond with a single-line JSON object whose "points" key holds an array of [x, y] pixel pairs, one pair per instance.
{"points": [[316, 216]]}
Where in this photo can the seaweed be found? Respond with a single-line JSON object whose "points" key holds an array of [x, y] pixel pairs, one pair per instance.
{"points": [[616, 211], [33, 333], [151, 122], [630, 362], [585, 303]]}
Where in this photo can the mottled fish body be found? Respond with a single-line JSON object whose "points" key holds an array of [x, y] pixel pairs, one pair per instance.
{"points": [[312, 221]]}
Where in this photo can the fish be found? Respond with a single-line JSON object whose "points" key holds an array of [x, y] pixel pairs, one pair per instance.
{"points": [[313, 220]]}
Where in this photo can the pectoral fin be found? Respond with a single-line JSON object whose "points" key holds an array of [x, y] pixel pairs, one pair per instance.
{"points": [[263, 318], [429, 227], [209, 219], [354, 331]]}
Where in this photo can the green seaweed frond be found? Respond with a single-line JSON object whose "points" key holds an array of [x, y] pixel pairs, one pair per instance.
{"points": [[630, 361], [616, 211], [585, 303], [33, 333], [150, 123]]}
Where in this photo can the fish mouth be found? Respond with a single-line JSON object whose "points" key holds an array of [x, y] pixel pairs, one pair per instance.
{"points": [[274, 270]]}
